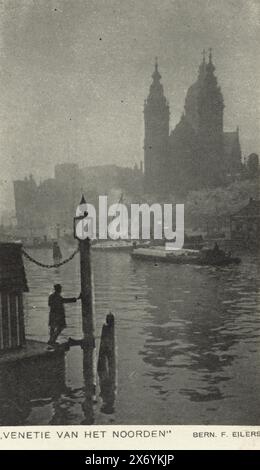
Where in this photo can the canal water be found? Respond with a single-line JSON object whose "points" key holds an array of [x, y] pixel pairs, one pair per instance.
{"points": [[188, 344]]}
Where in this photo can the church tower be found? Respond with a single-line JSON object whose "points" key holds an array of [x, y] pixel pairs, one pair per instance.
{"points": [[156, 122], [210, 126]]}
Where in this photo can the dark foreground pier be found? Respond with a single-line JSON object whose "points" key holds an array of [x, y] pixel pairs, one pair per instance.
{"points": [[32, 351]]}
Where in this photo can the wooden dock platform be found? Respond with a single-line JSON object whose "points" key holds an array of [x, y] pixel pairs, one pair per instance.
{"points": [[32, 350]]}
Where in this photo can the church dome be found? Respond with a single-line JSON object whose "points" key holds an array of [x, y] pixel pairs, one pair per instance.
{"points": [[191, 105], [183, 133], [191, 100]]}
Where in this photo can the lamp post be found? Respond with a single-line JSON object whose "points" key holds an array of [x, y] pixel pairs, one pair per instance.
{"points": [[88, 327], [86, 280]]}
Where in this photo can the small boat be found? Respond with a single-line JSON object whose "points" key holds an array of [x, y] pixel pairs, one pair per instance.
{"points": [[117, 245], [204, 257]]}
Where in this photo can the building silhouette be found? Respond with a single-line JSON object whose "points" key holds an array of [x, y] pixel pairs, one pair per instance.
{"points": [[197, 153], [43, 208], [46, 210], [156, 141]]}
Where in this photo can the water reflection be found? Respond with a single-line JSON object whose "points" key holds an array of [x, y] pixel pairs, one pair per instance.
{"points": [[188, 346], [29, 384], [196, 326], [89, 365], [107, 369]]}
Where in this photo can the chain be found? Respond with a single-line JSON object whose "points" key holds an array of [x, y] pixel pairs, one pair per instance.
{"points": [[49, 266]]}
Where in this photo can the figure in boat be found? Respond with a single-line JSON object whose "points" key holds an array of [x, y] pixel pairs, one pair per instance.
{"points": [[216, 254]]}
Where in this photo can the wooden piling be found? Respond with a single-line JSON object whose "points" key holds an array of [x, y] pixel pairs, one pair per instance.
{"points": [[88, 326], [107, 364], [88, 322]]}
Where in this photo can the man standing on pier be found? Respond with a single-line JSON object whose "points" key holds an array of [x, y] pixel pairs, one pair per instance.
{"points": [[57, 321]]}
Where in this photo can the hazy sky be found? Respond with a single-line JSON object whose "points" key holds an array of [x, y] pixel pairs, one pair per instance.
{"points": [[74, 75]]}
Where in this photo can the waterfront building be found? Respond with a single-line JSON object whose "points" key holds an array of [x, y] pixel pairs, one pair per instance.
{"points": [[245, 225]]}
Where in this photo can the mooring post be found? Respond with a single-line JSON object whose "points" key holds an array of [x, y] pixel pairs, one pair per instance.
{"points": [[88, 327], [88, 320], [87, 309], [86, 293], [107, 350]]}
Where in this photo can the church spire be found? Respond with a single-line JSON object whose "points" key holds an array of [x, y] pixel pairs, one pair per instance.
{"points": [[210, 66], [210, 128], [156, 74], [156, 121], [156, 88], [210, 94], [202, 67]]}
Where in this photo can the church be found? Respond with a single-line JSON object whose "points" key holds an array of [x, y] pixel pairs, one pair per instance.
{"points": [[197, 154]]}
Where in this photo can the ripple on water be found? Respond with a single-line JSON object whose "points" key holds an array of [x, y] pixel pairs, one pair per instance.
{"points": [[186, 335]]}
